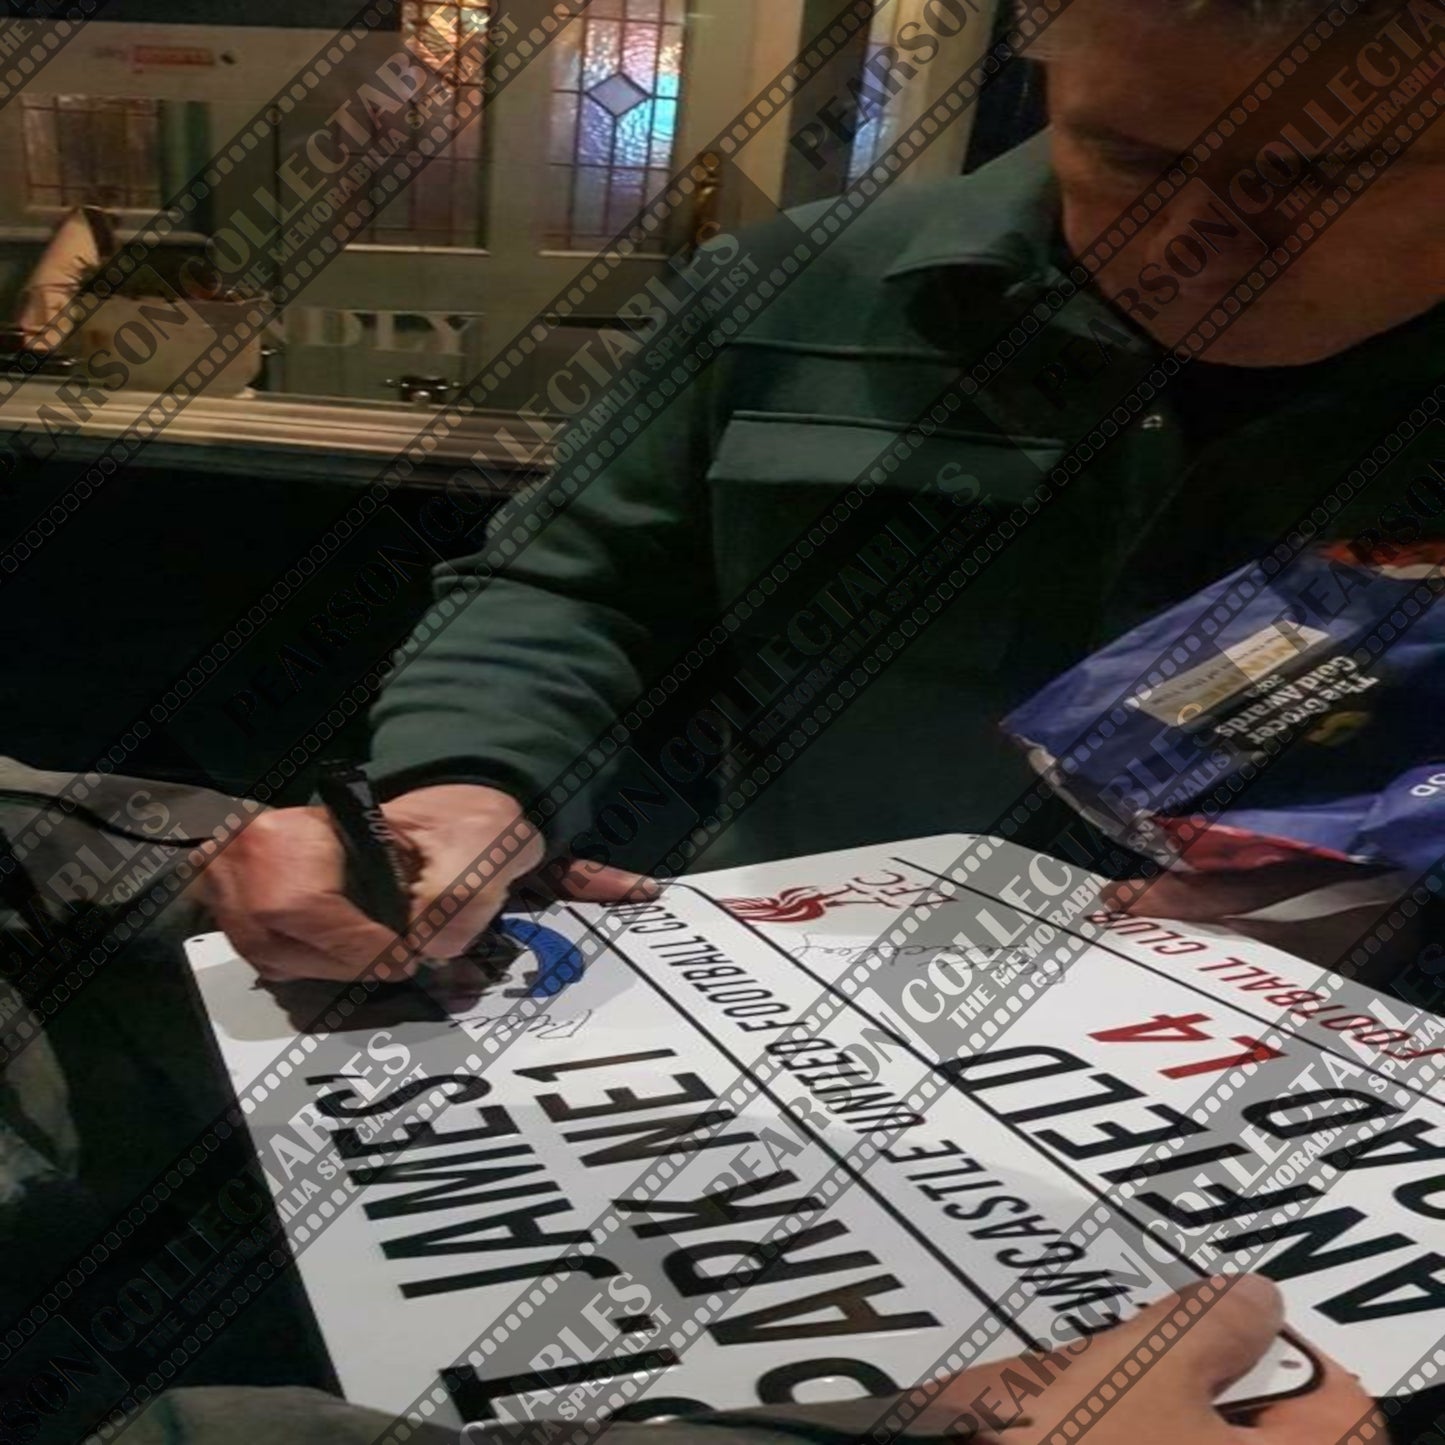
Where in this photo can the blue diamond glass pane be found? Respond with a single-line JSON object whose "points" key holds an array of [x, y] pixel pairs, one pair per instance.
{"points": [[594, 138], [618, 94]]}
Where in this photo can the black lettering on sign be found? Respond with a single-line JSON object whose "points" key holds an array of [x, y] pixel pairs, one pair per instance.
{"points": [[1378, 1149], [1033, 1227], [1307, 1255], [1041, 1266], [1232, 1204], [1419, 1196], [518, 1230], [350, 1144], [547, 1073], [1415, 1286], [624, 1101], [718, 1207], [770, 1261], [592, 1265], [779, 1385], [1110, 1091], [1114, 1137], [453, 1182], [1356, 1109], [1172, 1163], [473, 1396], [976, 1073], [851, 1100], [661, 1137], [459, 1088], [1077, 1288], [844, 1310], [1091, 1322], [973, 1075]]}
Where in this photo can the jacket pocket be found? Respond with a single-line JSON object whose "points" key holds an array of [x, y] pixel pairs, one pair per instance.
{"points": [[928, 504]]}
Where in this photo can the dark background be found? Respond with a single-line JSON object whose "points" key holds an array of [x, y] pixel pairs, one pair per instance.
{"points": [[99, 623]]}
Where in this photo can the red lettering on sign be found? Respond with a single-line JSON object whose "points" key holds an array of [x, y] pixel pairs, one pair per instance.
{"points": [[1256, 1052], [1161, 1029]]}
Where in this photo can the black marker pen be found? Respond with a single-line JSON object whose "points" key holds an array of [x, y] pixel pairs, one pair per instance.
{"points": [[380, 876], [382, 867]]}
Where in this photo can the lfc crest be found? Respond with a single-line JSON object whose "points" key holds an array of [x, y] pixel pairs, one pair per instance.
{"points": [[805, 903]]}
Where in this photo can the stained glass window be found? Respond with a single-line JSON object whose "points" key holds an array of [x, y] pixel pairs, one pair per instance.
{"points": [[442, 204], [92, 150], [448, 35], [872, 136], [616, 89]]}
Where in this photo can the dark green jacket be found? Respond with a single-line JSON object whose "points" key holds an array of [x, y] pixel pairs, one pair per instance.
{"points": [[618, 569]]}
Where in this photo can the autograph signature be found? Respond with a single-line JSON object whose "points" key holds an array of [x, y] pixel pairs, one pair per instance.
{"points": [[545, 1026]]}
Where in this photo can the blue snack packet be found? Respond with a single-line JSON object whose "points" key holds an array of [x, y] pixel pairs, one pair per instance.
{"points": [[1283, 713]]}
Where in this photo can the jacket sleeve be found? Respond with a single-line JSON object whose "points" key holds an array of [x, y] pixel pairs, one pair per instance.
{"points": [[240, 1416], [584, 589]]}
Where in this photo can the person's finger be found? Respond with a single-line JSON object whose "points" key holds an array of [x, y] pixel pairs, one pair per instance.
{"points": [[1186, 897], [462, 888], [1156, 1376], [290, 880], [356, 946], [1165, 1367], [1234, 901], [219, 892], [1211, 1333], [1122, 894], [1234, 893], [459, 895], [272, 955], [278, 958], [992, 1401], [1338, 1410], [600, 883]]}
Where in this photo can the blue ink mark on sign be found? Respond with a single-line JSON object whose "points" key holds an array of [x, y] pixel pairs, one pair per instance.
{"points": [[559, 962]]}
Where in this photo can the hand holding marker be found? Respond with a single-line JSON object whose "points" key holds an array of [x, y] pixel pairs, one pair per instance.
{"points": [[383, 870]]}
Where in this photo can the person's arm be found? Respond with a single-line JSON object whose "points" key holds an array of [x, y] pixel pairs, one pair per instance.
{"points": [[1274, 906], [577, 609], [585, 587]]}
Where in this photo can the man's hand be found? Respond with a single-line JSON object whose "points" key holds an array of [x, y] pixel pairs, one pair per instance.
{"points": [[1270, 904], [277, 888], [1159, 1390]]}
